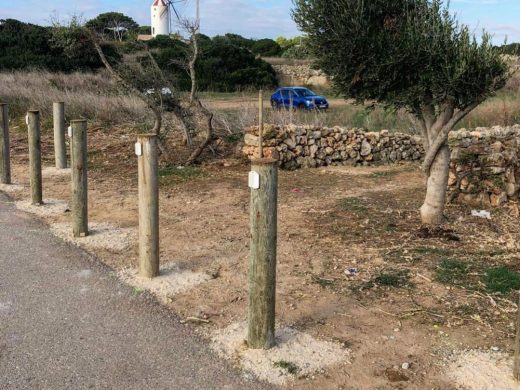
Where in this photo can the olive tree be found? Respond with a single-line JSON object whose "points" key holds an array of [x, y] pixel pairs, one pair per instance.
{"points": [[411, 55]]}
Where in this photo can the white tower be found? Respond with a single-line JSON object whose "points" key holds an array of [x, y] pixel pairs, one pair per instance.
{"points": [[160, 18]]}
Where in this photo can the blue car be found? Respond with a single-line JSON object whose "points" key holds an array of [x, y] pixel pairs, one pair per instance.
{"points": [[298, 97]]}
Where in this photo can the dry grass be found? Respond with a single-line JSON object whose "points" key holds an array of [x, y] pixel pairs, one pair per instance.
{"points": [[96, 97], [87, 95]]}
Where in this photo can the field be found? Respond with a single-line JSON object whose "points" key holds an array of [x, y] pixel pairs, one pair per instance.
{"points": [[97, 98], [355, 266]]}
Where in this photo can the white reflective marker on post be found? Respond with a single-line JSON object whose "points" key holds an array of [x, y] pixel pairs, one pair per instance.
{"points": [[69, 131], [254, 180], [138, 149]]}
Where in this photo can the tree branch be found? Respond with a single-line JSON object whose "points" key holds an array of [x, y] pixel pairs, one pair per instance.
{"points": [[443, 136]]}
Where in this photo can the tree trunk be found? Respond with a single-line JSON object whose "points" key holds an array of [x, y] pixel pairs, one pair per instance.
{"points": [[432, 211]]}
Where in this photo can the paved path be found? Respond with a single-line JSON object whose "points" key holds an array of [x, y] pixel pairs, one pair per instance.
{"points": [[66, 324]]}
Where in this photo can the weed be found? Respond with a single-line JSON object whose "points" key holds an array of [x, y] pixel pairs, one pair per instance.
{"points": [[431, 250], [322, 281], [291, 368], [383, 174], [354, 205], [501, 279], [451, 271], [137, 290], [177, 173], [393, 278]]}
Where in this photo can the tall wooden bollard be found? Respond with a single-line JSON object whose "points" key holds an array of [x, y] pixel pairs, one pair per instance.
{"points": [[5, 157], [147, 161], [35, 157], [260, 124], [263, 181], [60, 152], [516, 368], [78, 146]]}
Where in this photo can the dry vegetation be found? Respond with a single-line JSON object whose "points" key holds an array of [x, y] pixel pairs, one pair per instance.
{"points": [[97, 98]]}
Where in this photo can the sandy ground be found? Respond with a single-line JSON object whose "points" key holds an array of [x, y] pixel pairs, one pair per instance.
{"points": [[307, 355], [339, 228]]}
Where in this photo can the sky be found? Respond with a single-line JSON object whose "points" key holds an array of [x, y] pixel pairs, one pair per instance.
{"points": [[253, 19]]}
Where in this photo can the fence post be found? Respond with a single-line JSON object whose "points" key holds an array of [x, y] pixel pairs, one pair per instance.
{"points": [[5, 157], [35, 156], [263, 181], [516, 368], [78, 146], [147, 161], [260, 124], [60, 153]]}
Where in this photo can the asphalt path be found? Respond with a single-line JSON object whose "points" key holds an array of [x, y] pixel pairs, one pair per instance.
{"points": [[65, 323]]}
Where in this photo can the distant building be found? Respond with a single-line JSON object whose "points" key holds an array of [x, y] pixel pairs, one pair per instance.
{"points": [[160, 11]]}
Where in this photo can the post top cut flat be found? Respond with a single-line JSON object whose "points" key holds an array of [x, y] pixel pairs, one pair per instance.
{"points": [[264, 161]]}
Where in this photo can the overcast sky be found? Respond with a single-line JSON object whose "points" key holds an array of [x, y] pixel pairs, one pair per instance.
{"points": [[256, 19]]}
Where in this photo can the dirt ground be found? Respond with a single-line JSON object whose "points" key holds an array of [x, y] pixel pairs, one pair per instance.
{"points": [[341, 231]]}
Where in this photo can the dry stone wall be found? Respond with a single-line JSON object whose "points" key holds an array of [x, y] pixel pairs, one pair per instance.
{"points": [[485, 168], [305, 146], [300, 75]]}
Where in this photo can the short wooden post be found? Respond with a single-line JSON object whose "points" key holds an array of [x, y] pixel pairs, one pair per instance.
{"points": [[263, 181], [5, 157], [147, 161], [60, 152], [79, 206], [516, 368], [261, 124], [35, 157]]}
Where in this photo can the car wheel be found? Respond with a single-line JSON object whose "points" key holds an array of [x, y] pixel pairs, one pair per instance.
{"points": [[301, 106]]}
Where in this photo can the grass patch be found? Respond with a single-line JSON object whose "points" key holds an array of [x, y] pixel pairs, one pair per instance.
{"points": [[354, 205], [322, 282], [501, 279], [138, 290], [178, 173], [452, 271], [431, 250], [383, 174], [393, 278], [289, 367]]}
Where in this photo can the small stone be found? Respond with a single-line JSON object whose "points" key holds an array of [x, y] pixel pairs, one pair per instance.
{"points": [[405, 366]]}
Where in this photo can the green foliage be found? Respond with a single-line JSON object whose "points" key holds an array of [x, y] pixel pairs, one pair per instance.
{"points": [[290, 367], [393, 278], [451, 271], [501, 279], [114, 25], [297, 47], [266, 48], [145, 30], [27, 46], [401, 53], [511, 49]]}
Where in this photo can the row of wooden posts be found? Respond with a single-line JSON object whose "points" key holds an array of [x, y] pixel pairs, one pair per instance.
{"points": [[263, 181]]}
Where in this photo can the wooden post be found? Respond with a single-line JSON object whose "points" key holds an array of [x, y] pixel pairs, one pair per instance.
{"points": [[147, 161], [261, 124], [60, 153], [263, 182], [35, 157], [516, 368], [5, 157], [78, 153]]}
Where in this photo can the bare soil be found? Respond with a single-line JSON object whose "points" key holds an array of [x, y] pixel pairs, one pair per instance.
{"points": [[340, 228]]}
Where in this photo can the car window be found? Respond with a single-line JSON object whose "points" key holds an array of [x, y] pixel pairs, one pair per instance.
{"points": [[284, 93]]}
